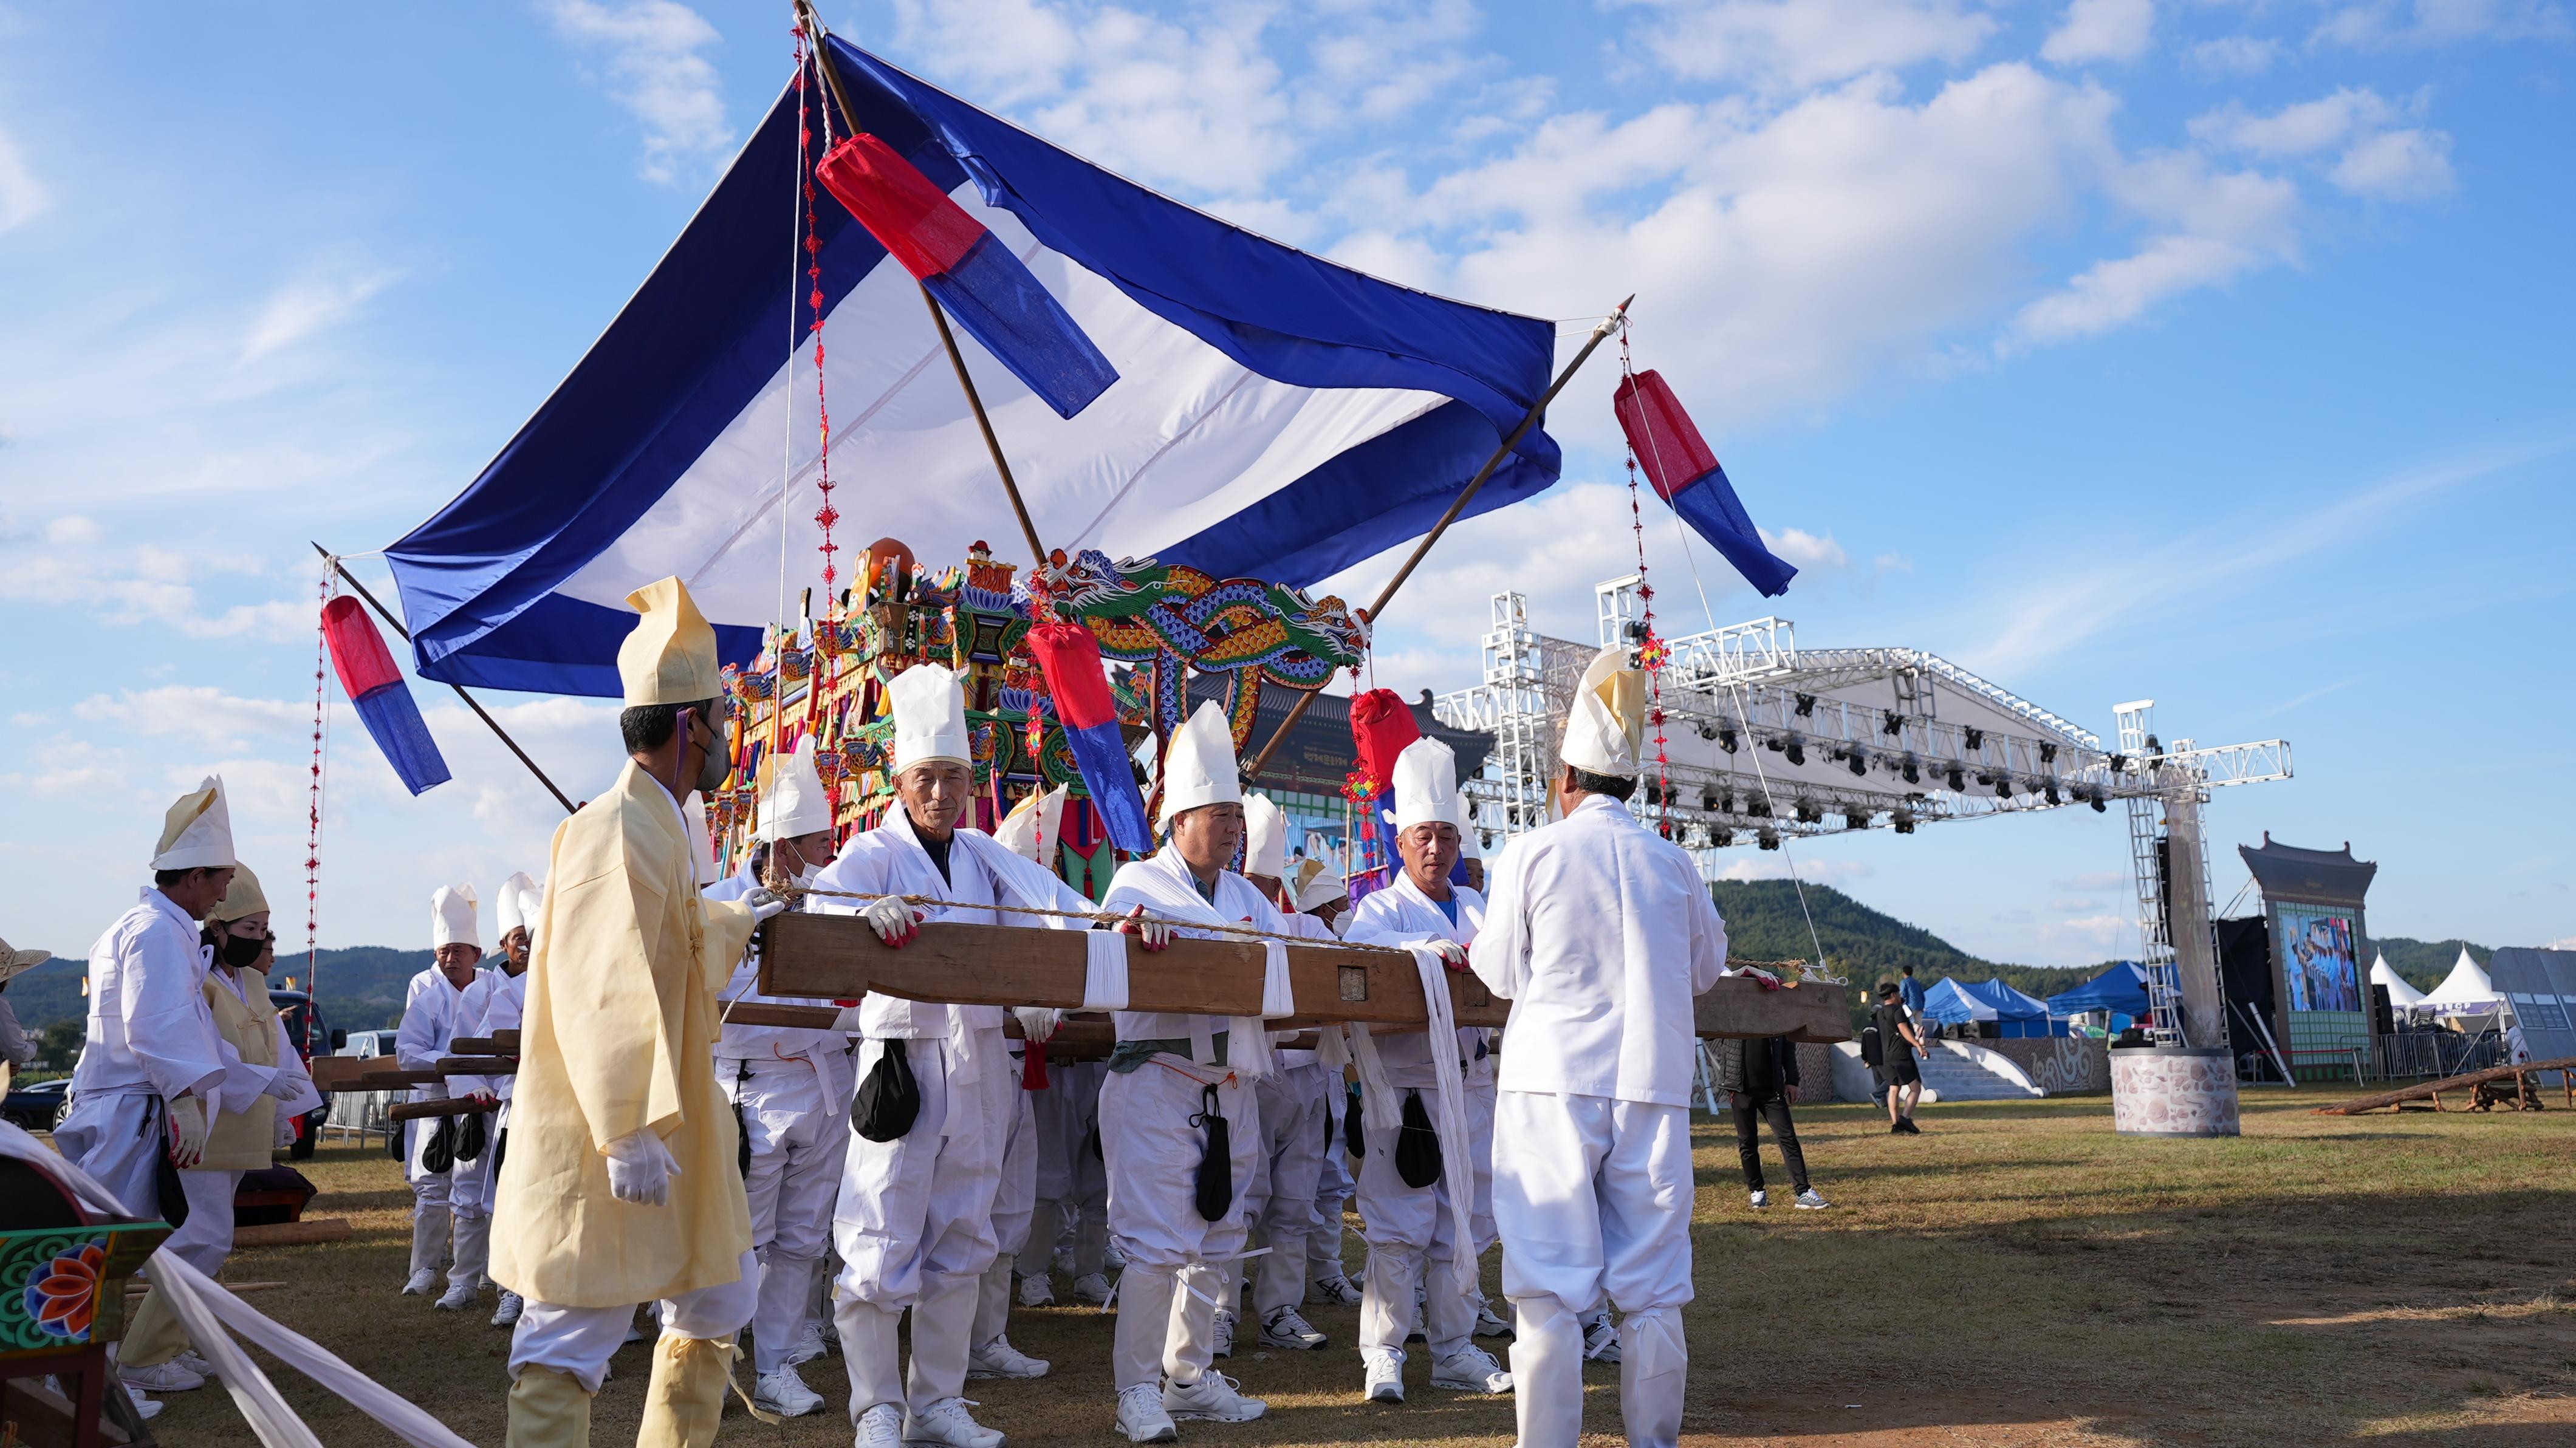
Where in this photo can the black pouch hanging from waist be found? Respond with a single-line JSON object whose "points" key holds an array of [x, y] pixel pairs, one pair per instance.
{"points": [[889, 1099], [440, 1154], [471, 1137], [500, 1154], [741, 1124], [1216, 1169], [165, 1173], [1354, 1129], [1417, 1146]]}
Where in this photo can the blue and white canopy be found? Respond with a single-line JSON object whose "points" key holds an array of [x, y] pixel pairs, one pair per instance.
{"points": [[1276, 415]]}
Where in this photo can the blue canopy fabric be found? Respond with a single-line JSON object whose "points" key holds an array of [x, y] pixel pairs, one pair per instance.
{"points": [[2121, 990], [1275, 416], [1952, 1002]]}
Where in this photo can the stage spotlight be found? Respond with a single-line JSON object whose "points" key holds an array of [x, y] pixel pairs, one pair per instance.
{"points": [[1760, 809], [2048, 791], [2119, 764], [1721, 838], [2003, 786], [1707, 731], [1892, 725], [1859, 760], [2048, 754], [1797, 749], [2154, 745], [1636, 630], [1855, 817], [1973, 739], [1912, 770], [1958, 780], [1726, 802], [1808, 813], [1769, 838], [1726, 740], [1903, 820], [2096, 802], [1806, 706], [1708, 800]]}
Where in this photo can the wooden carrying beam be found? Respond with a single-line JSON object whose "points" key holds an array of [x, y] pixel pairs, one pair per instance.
{"points": [[837, 957], [2423, 1090], [478, 1065], [1738, 1006]]}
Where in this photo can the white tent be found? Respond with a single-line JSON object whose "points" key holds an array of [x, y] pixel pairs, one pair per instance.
{"points": [[2466, 991], [2400, 994]]}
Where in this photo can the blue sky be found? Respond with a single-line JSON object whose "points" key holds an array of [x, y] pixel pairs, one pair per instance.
{"points": [[2213, 352]]}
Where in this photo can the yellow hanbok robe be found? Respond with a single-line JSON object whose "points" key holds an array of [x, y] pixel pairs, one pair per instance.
{"points": [[619, 1036]]}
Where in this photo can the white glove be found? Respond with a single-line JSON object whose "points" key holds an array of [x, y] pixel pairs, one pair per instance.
{"points": [[187, 1131], [281, 1084], [640, 1169], [1038, 1024], [764, 903], [1451, 953], [894, 922], [1153, 934], [285, 1131]]}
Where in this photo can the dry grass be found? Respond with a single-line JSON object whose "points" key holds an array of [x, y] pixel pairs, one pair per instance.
{"points": [[2017, 1276]]}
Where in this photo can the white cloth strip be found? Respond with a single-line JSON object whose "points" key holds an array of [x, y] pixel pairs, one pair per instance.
{"points": [[1104, 971], [1457, 1161], [1380, 1107]]}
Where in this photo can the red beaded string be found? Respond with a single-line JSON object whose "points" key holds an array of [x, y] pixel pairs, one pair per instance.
{"points": [[1652, 652], [313, 794]]}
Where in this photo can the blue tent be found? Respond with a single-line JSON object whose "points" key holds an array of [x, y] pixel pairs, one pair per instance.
{"points": [[1955, 1002], [2121, 990]]}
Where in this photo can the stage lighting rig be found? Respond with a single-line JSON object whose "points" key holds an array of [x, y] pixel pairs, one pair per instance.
{"points": [[1808, 812], [1972, 740], [1859, 760], [1856, 817], [1902, 820], [1806, 706], [1892, 725], [2047, 753], [1721, 837], [2048, 791], [1726, 740], [1958, 780], [1912, 769], [2003, 786], [1768, 838]]}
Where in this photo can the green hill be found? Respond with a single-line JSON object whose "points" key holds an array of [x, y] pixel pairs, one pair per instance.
{"points": [[1862, 945], [2424, 963]]}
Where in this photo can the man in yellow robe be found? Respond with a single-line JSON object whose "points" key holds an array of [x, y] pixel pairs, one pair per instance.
{"points": [[620, 1185]]}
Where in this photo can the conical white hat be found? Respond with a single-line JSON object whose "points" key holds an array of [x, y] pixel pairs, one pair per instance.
{"points": [[794, 802], [197, 833], [929, 718], [1265, 837], [1198, 765], [1605, 731], [1034, 824], [669, 657], [1426, 784], [1322, 888], [516, 908], [451, 917]]}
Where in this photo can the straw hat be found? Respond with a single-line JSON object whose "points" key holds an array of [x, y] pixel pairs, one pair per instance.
{"points": [[19, 962]]}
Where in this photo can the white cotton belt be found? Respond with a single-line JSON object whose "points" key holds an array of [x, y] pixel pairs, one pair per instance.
{"points": [[1457, 1162], [1104, 971], [1251, 1054]]}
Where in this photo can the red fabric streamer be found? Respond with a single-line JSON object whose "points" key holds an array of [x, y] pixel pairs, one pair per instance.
{"points": [[1381, 725], [904, 210], [1666, 442], [357, 650], [1068, 654]]}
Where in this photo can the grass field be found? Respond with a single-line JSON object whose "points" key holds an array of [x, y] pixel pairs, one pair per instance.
{"points": [[2018, 1275]]}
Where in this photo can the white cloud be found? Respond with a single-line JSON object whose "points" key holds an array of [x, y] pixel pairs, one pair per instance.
{"points": [[2211, 226], [2390, 24], [308, 306], [1805, 549], [2295, 130], [71, 530], [1777, 865], [2410, 165], [2236, 55], [652, 50], [2101, 30], [135, 584], [1795, 44], [22, 197]]}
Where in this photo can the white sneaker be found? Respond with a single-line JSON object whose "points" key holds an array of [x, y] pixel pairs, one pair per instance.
{"points": [[423, 1282], [809, 1345], [170, 1377], [1038, 1291], [195, 1364], [1111, 1259], [1224, 1334], [998, 1359], [1063, 1259], [1808, 1201], [1471, 1370], [1141, 1417], [1600, 1340], [145, 1408], [881, 1427], [1761, 1199], [947, 1423], [1489, 1325], [1336, 1291], [507, 1314], [459, 1297], [785, 1394], [1213, 1398], [1385, 1380], [1287, 1327], [1092, 1288]]}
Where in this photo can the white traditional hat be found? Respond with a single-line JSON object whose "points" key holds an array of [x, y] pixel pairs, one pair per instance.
{"points": [[669, 657], [1034, 824], [451, 917], [516, 909], [1426, 784], [244, 898], [929, 718], [794, 802], [1198, 764], [1322, 887], [197, 833], [1265, 837], [1465, 820], [1605, 731]]}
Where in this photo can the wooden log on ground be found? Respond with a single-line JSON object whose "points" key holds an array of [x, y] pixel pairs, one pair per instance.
{"points": [[2424, 1090], [306, 1233], [438, 1106], [478, 1065]]}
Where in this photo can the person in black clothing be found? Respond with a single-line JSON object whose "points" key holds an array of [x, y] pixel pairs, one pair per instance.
{"points": [[1898, 1043], [1761, 1078]]}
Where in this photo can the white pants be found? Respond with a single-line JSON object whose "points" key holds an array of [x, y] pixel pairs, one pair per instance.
{"points": [[119, 1139], [915, 1229], [1153, 1155], [1072, 1190], [1333, 1186], [1480, 1149], [1014, 1206], [799, 1145], [1413, 1244], [579, 1341], [206, 1238], [1280, 1204], [1593, 1198]]}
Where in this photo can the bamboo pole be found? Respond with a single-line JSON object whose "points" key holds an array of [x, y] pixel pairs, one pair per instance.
{"points": [[1457, 506], [470, 701]]}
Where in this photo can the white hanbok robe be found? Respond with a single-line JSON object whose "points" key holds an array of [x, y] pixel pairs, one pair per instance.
{"points": [[152, 1036]]}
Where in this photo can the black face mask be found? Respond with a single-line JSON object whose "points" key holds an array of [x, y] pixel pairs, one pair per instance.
{"points": [[240, 952], [712, 766]]}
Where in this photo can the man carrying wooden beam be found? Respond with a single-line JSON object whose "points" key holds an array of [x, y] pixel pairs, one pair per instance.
{"points": [[440, 1233], [1179, 1126], [1404, 1192], [1601, 935], [936, 1092], [495, 1002]]}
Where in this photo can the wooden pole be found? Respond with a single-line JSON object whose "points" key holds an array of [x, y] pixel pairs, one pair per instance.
{"points": [[470, 701], [812, 24], [1457, 506]]}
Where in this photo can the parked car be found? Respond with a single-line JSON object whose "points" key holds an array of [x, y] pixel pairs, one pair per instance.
{"points": [[38, 1105], [302, 1017]]}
